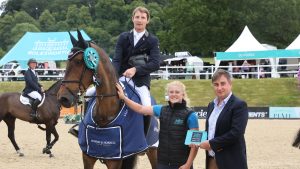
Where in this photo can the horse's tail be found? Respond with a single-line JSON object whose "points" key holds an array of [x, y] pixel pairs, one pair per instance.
{"points": [[297, 140], [130, 162], [42, 128]]}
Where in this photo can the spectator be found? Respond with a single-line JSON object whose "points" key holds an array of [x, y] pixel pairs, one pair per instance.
{"points": [[245, 68]]}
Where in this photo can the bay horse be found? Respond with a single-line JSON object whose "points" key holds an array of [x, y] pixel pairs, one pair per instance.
{"points": [[48, 114], [296, 142], [78, 77]]}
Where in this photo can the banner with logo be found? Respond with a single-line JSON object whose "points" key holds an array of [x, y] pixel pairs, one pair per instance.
{"points": [[261, 112]]}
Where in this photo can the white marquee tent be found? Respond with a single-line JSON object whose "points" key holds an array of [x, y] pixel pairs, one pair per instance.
{"points": [[246, 47]]}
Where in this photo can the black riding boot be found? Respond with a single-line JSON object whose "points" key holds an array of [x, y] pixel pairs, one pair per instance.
{"points": [[35, 104]]}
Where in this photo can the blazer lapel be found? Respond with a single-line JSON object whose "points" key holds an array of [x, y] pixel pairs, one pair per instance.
{"points": [[223, 112], [131, 38]]}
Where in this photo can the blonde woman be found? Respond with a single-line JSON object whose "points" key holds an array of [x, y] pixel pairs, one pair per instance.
{"points": [[175, 119]]}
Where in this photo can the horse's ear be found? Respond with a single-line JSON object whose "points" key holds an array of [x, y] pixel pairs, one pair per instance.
{"points": [[73, 40], [81, 42]]}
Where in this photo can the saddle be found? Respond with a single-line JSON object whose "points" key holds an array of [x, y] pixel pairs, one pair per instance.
{"points": [[27, 100]]}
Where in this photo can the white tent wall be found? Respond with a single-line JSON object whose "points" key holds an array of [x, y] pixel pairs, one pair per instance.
{"points": [[294, 45]]}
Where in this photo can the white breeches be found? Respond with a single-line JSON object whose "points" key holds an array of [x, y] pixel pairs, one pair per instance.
{"points": [[143, 91], [35, 95], [90, 92]]}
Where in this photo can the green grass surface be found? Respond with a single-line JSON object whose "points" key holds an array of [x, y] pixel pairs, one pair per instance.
{"points": [[256, 92]]}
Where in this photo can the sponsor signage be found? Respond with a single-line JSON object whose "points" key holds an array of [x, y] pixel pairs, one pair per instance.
{"points": [[201, 112], [261, 112], [258, 112], [284, 112]]}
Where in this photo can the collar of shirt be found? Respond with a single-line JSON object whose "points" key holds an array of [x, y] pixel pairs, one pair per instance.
{"points": [[137, 35], [224, 101], [33, 71]]}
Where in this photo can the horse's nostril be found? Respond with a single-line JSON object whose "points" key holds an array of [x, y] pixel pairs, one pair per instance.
{"points": [[65, 102]]}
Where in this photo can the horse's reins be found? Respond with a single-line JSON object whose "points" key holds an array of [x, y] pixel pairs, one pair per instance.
{"points": [[97, 82]]}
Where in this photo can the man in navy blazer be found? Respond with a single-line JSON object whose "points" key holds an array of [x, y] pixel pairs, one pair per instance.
{"points": [[226, 122], [138, 44], [32, 87]]}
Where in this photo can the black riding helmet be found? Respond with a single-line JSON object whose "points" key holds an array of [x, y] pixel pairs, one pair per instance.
{"points": [[32, 60]]}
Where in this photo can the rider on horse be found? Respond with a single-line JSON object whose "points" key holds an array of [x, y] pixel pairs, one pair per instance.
{"points": [[32, 87]]}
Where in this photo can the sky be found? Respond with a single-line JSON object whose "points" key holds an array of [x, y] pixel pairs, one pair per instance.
{"points": [[0, 4]]}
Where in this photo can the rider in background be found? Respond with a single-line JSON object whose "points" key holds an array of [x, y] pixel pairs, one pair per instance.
{"points": [[175, 120], [32, 87]]}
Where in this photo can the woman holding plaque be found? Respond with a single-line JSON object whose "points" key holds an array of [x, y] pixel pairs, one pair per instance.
{"points": [[175, 120]]}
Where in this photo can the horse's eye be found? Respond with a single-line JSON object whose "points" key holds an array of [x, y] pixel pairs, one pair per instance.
{"points": [[78, 62]]}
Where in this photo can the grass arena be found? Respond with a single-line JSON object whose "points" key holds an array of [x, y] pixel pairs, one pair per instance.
{"points": [[268, 147]]}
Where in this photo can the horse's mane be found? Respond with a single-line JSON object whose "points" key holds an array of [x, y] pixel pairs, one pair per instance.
{"points": [[53, 87]]}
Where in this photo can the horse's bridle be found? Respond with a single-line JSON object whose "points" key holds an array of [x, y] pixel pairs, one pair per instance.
{"points": [[96, 78], [79, 82]]}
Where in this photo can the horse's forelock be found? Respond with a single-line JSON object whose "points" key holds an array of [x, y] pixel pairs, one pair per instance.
{"points": [[74, 51]]}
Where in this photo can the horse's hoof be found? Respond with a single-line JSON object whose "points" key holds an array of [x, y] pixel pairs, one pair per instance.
{"points": [[51, 155], [21, 154], [74, 132], [46, 150]]}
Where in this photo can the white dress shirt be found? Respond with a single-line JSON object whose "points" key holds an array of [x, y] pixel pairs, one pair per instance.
{"points": [[213, 119], [137, 36]]}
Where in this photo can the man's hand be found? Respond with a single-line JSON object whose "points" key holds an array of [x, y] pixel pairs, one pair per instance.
{"points": [[42, 89], [129, 73], [205, 145]]}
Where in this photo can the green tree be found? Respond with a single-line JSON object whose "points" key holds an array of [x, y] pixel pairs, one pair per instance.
{"points": [[20, 29], [185, 28], [276, 22], [73, 19], [111, 16], [2, 53], [101, 38], [11, 6], [6, 25], [47, 21], [85, 16], [35, 7], [24, 17], [62, 26]]}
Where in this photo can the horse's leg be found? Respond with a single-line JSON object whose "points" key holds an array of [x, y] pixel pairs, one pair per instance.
{"points": [[10, 122], [56, 136], [88, 161], [129, 162], [296, 143], [50, 129], [152, 156], [113, 164]]}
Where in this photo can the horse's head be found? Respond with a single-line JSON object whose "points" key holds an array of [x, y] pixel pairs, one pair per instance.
{"points": [[79, 71]]}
